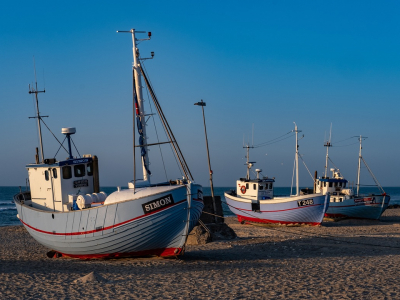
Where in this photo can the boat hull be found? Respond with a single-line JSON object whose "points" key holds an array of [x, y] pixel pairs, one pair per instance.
{"points": [[118, 229], [368, 207], [286, 210]]}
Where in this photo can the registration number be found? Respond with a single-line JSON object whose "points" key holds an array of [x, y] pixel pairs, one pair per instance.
{"points": [[305, 202], [81, 183]]}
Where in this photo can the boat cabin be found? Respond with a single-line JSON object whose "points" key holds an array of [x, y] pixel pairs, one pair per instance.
{"points": [[257, 189], [54, 185], [65, 185], [335, 186]]}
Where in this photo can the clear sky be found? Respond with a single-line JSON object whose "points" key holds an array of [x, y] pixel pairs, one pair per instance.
{"points": [[267, 63]]}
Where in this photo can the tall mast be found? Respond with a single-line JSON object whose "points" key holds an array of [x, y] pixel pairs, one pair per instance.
{"points": [[139, 94], [34, 90], [359, 166], [248, 163], [327, 145], [139, 107], [297, 159]]}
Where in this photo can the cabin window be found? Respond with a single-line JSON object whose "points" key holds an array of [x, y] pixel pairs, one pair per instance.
{"points": [[254, 186], [325, 184], [330, 184], [90, 169], [54, 173], [46, 175], [79, 170], [247, 186], [270, 186], [67, 172], [260, 187], [344, 184]]}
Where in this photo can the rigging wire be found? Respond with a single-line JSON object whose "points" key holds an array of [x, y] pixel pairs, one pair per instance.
{"points": [[306, 167], [332, 163], [346, 145], [175, 145], [60, 147], [155, 127], [54, 136], [34, 113], [294, 167], [275, 140], [75, 147], [166, 134], [373, 176], [343, 140]]}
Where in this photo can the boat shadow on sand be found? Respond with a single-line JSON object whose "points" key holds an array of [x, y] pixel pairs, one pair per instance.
{"points": [[345, 240]]}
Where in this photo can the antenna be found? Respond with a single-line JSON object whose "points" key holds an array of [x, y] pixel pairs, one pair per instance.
{"points": [[252, 136], [327, 145], [38, 116]]}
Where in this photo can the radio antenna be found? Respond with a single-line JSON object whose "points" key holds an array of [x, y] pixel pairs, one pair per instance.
{"points": [[34, 90]]}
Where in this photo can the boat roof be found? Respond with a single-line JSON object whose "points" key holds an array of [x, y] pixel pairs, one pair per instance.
{"points": [[258, 180], [68, 162], [332, 180]]}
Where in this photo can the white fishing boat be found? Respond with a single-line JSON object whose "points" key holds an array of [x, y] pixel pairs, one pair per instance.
{"points": [[253, 201], [65, 211], [344, 201]]}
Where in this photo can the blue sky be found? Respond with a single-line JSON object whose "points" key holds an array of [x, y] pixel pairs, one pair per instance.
{"points": [[267, 63]]}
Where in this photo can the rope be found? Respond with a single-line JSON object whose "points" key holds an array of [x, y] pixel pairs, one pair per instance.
{"points": [[204, 226], [204, 212]]}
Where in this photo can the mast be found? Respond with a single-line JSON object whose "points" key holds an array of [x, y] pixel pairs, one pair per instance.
{"points": [[38, 116], [327, 145], [359, 166], [139, 95], [248, 163], [138, 106], [297, 159]]}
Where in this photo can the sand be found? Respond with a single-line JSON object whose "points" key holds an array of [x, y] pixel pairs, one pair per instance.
{"points": [[349, 259]]}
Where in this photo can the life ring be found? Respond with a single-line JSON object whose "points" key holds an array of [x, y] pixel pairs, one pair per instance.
{"points": [[243, 189]]}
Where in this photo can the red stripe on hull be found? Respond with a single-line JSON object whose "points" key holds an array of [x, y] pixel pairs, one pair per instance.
{"points": [[98, 230], [279, 210], [256, 220], [165, 252]]}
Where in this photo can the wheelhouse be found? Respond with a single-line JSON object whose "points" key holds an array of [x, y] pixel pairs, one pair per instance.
{"points": [[258, 189], [55, 184]]}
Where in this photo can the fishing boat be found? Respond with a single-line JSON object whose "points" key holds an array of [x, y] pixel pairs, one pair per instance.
{"points": [[344, 201], [253, 200], [65, 210]]}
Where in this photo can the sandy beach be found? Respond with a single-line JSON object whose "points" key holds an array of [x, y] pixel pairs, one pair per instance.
{"points": [[348, 259]]}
